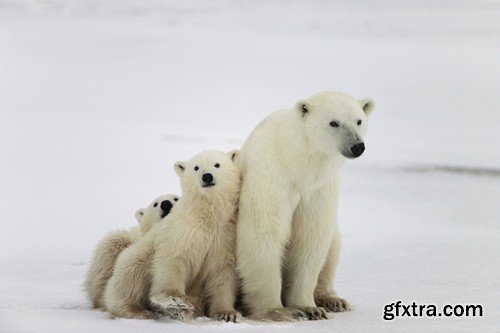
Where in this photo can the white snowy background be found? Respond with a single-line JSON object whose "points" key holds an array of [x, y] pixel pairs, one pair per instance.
{"points": [[99, 98]]}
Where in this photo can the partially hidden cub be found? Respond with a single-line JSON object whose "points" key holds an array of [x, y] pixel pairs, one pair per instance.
{"points": [[114, 243]]}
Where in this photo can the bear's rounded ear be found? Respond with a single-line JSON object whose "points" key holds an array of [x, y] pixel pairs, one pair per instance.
{"points": [[367, 104], [139, 214], [303, 107], [234, 154], [179, 167]]}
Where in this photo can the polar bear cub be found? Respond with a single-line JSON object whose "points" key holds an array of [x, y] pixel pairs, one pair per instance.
{"points": [[109, 248], [189, 266], [156, 211], [200, 244]]}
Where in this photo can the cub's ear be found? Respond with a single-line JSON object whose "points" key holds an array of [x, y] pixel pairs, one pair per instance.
{"points": [[303, 107], [179, 167], [234, 154], [367, 104], [139, 214]]}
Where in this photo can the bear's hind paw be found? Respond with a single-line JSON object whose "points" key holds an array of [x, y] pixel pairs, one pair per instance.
{"points": [[281, 314], [314, 313], [174, 306], [227, 316], [333, 303]]}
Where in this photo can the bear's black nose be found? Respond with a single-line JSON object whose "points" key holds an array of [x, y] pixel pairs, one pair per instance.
{"points": [[166, 206], [207, 178], [358, 149]]}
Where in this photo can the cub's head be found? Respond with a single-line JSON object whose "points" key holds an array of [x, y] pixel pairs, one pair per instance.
{"points": [[157, 210], [335, 122], [210, 173]]}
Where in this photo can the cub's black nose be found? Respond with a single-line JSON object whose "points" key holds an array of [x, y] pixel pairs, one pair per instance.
{"points": [[358, 149], [166, 206], [207, 178]]}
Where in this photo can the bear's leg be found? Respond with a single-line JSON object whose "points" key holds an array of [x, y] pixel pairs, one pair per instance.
{"points": [[195, 295], [263, 230], [222, 286], [324, 294], [222, 281], [168, 289], [127, 290], [307, 251], [103, 263]]}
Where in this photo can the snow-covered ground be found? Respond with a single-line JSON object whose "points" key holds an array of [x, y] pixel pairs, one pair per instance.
{"points": [[98, 99]]}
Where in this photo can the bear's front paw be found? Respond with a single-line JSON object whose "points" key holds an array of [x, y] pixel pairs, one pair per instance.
{"points": [[175, 307], [332, 303], [314, 313], [227, 316], [281, 314]]}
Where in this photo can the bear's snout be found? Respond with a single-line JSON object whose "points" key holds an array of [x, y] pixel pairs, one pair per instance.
{"points": [[207, 179], [165, 206], [358, 149]]}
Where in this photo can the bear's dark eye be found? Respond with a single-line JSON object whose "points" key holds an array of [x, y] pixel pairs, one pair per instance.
{"points": [[156, 204], [334, 124], [176, 199], [217, 165], [196, 168], [359, 122]]}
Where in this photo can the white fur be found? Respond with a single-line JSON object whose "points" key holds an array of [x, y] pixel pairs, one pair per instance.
{"points": [[108, 249], [287, 232], [192, 262]]}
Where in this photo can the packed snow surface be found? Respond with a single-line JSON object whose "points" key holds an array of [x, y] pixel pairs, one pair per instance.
{"points": [[98, 99]]}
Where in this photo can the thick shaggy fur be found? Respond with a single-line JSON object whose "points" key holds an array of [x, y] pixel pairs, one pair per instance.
{"points": [[288, 240], [108, 249], [189, 266]]}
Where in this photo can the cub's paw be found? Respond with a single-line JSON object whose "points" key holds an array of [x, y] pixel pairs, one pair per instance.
{"points": [[281, 314], [180, 314], [314, 313], [227, 316], [171, 302], [333, 303], [175, 307]]}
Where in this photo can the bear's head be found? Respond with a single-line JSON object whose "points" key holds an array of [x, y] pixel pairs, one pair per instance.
{"points": [[335, 122], [157, 210], [210, 173]]}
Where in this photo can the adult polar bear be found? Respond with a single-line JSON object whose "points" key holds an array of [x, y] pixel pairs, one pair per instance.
{"points": [[288, 240]]}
